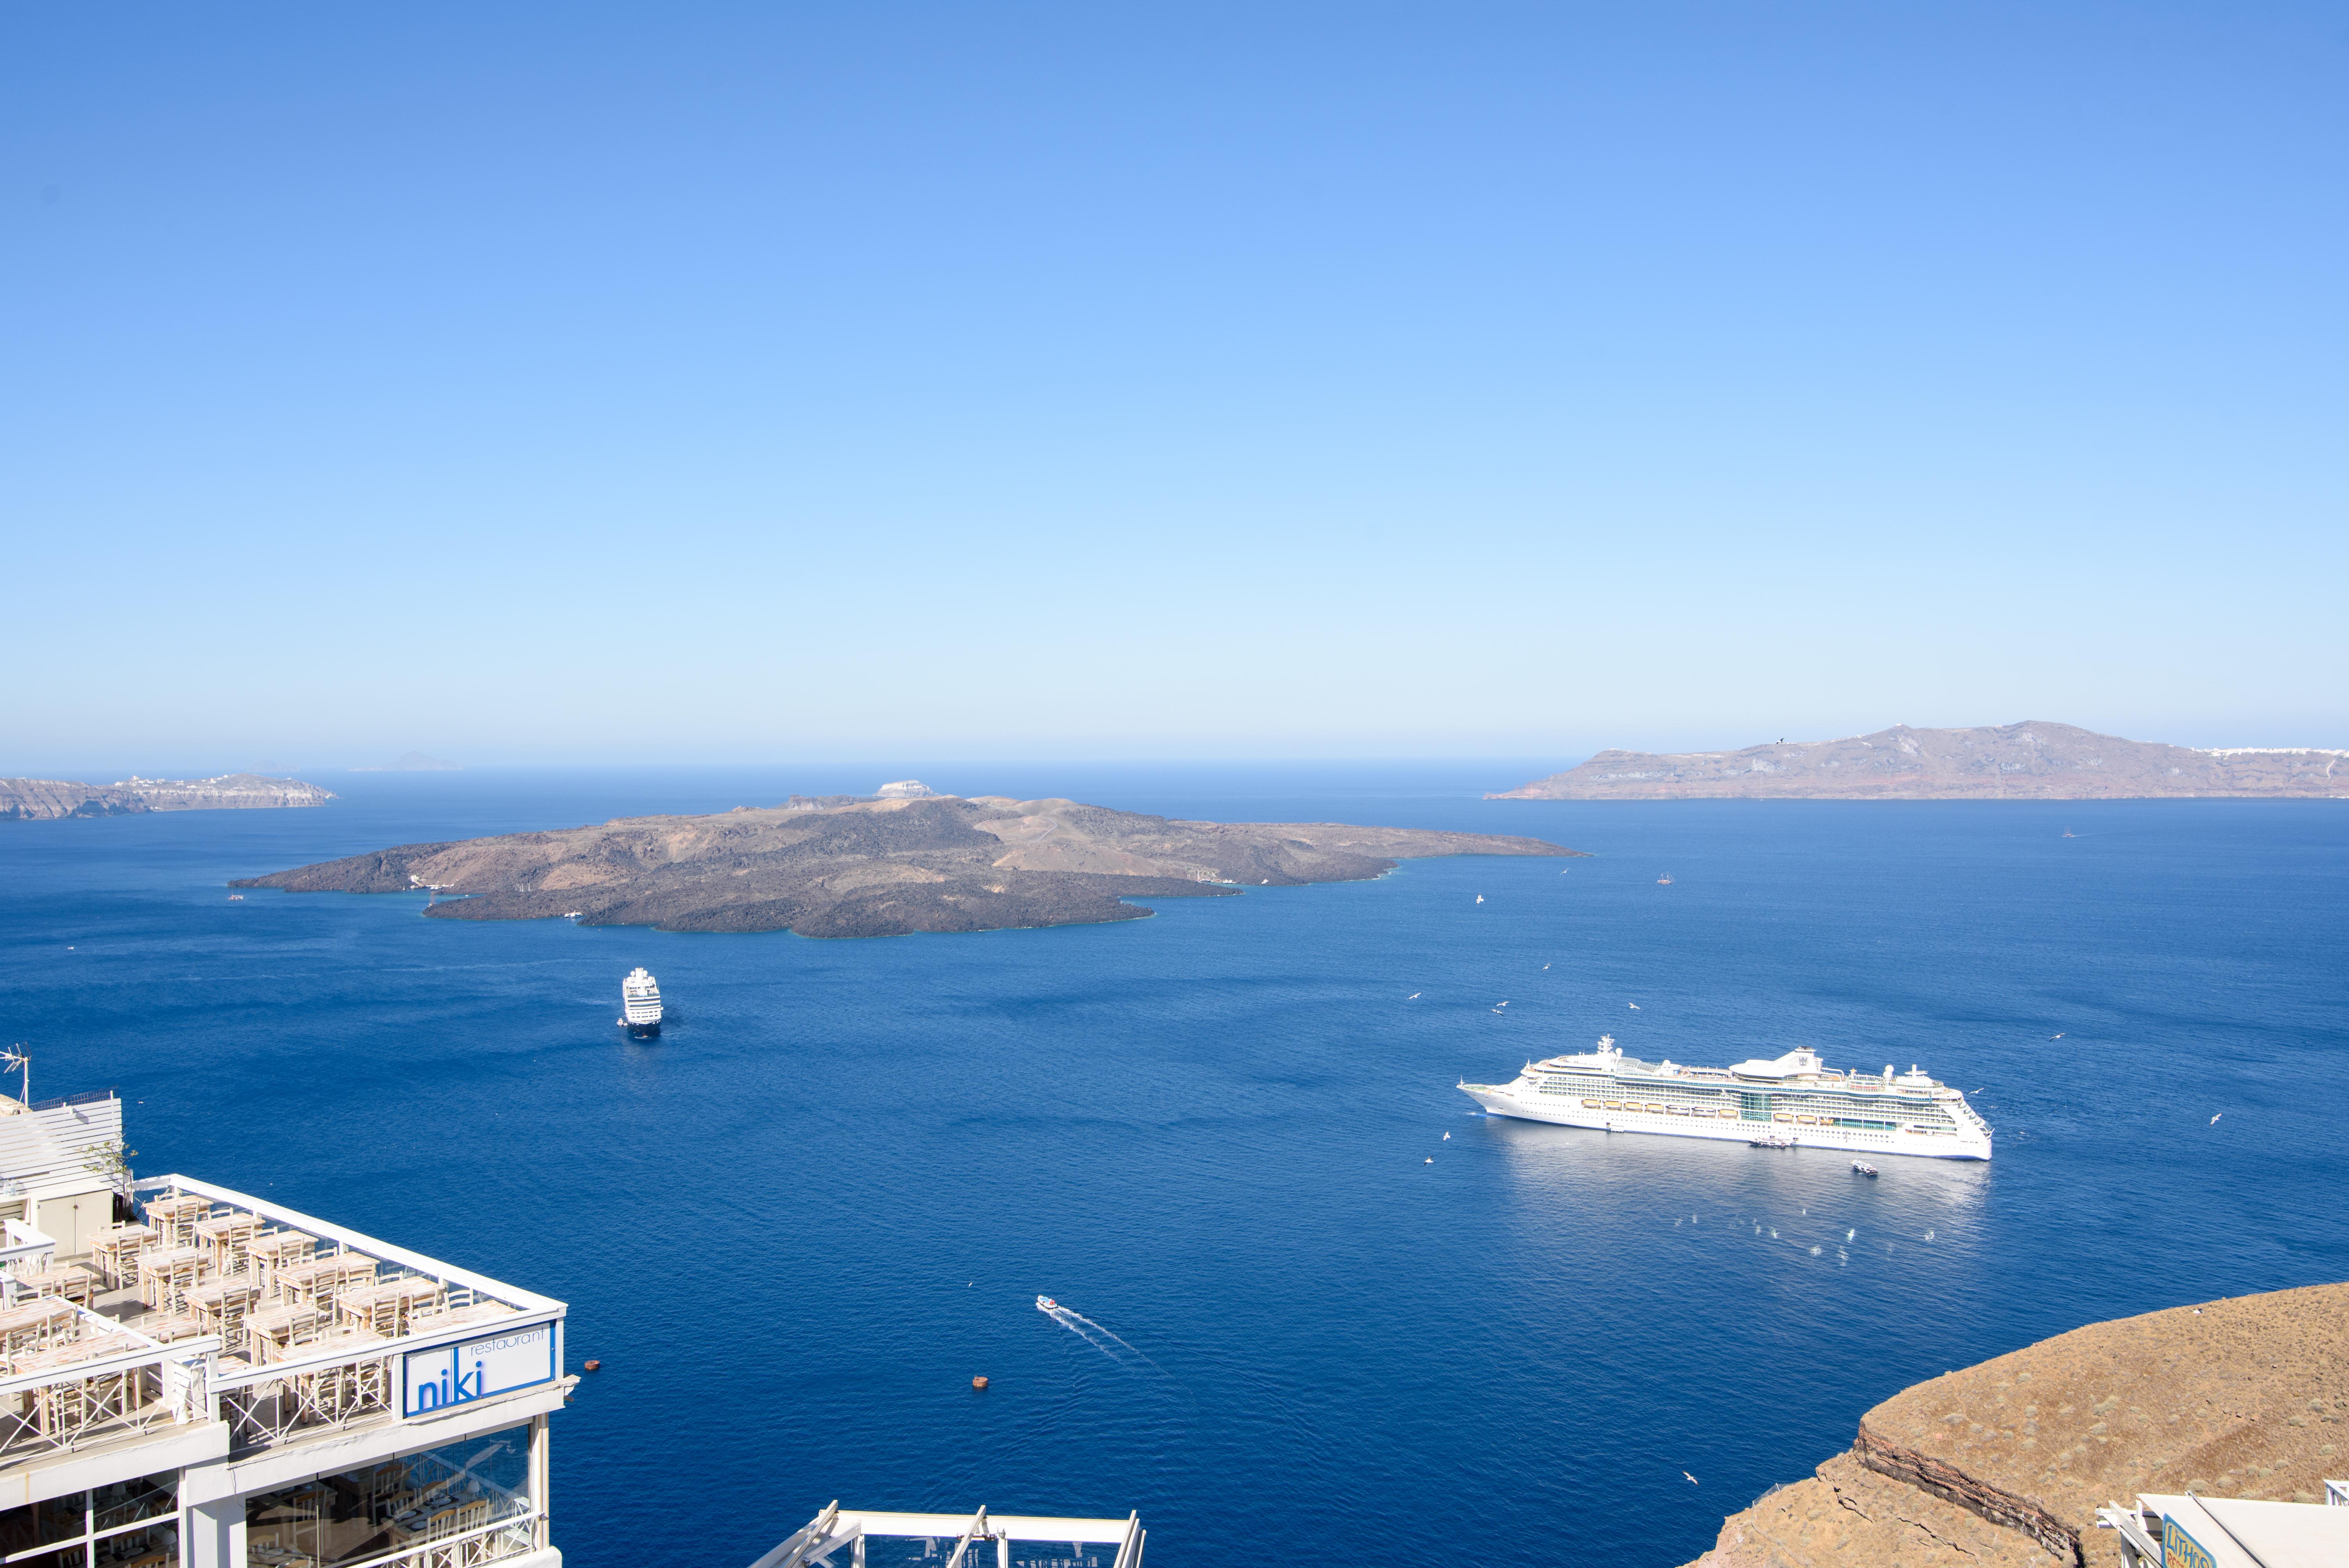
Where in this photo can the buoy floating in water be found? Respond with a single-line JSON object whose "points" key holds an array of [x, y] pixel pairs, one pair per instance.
{"points": [[978, 1382], [594, 1365]]}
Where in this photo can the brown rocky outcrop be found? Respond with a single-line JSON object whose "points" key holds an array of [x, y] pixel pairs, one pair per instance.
{"points": [[2004, 762], [2007, 1462]]}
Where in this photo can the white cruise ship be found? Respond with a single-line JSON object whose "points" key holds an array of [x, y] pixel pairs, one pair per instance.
{"points": [[1794, 1101], [640, 1003]]}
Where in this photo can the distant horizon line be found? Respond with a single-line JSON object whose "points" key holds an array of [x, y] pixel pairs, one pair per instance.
{"points": [[1553, 758]]}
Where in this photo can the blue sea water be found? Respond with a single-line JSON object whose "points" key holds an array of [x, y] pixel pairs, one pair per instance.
{"points": [[796, 1226]]}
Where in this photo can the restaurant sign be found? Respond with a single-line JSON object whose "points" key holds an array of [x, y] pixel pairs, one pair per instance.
{"points": [[451, 1375], [2180, 1550]]}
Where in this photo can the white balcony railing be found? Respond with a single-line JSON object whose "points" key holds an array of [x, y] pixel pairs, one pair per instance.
{"points": [[187, 1347], [93, 1380], [349, 1364]]}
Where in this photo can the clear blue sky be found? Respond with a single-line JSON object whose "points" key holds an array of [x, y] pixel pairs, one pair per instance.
{"points": [[714, 383]]}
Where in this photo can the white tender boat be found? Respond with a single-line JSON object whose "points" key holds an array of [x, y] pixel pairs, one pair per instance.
{"points": [[1792, 1101], [1045, 1304]]}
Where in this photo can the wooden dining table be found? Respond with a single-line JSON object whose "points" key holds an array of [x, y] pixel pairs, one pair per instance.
{"points": [[114, 1253], [271, 1332], [72, 1282], [174, 1218], [166, 1274], [36, 1325], [223, 1240], [388, 1307], [320, 1282]]}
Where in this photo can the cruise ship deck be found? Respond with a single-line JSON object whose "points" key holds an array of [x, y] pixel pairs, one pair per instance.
{"points": [[1793, 1100]]}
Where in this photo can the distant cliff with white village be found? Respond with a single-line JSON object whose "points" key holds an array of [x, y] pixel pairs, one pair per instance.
{"points": [[48, 800]]}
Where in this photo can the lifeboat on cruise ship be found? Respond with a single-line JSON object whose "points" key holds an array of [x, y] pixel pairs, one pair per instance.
{"points": [[1590, 1105]]}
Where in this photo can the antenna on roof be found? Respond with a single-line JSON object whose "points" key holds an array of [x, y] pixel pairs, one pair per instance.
{"points": [[14, 1060]]}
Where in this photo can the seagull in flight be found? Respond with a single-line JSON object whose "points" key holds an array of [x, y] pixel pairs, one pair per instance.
{"points": [[1431, 1160], [2055, 1036], [1448, 1137], [1480, 898], [1635, 1007], [1690, 1479], [2214, 1121], [1412, 997], [1544, 965]]}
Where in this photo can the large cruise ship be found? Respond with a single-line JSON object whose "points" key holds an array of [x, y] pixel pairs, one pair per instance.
{"points": [[640, 1003], [1793, 1102]]}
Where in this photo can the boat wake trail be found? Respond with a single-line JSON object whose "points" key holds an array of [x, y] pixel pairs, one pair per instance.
{"points": [[1084, 1329], [1102, 1339]]}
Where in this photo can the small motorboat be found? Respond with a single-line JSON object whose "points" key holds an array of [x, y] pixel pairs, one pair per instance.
{"points": [[1863, 1168], [1045, 1304]]}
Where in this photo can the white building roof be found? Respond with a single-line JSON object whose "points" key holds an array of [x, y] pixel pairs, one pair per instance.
{"points": [[57, 1143], [2239, 1534]]}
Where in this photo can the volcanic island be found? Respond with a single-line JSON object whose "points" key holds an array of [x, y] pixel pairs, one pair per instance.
{"points": [[841, 866]]}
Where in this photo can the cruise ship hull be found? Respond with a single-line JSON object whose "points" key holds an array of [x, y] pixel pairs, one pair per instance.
{"points": [[1565, 1111]]}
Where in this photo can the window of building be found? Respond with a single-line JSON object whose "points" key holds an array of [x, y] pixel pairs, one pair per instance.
{"points": [[477, 1489], [130, 1524]]}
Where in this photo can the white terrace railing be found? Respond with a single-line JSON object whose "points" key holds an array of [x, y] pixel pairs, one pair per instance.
{"points": [[489, 1544], [837, 1533], [72, 1378], [23, 1251], [340, 1354], [389, 1334]]}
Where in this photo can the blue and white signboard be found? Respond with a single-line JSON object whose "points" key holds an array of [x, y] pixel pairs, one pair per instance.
{"points": [[497, 1364]]}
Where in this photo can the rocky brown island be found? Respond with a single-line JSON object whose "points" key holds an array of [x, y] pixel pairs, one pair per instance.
{"points": [[2004, 762], [830, 867], [47, 799], [2004, 1465]]}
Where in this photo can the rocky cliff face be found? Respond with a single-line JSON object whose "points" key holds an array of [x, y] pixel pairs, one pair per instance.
{"points": [[2014, 761], [2006, 1463], [40, 799]]}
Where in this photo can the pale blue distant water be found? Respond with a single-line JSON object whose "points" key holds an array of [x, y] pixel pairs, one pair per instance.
{"points": [[797, 1225]]}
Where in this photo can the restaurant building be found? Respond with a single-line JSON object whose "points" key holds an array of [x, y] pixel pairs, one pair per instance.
{"points": [[214, 1380]]}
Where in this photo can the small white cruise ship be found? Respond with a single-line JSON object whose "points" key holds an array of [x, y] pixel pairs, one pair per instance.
{"points": [[1792, 1101], [640, 1003]]}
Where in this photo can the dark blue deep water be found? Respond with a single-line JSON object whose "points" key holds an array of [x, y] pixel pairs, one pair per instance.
{"points": [[797, 1225]]}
